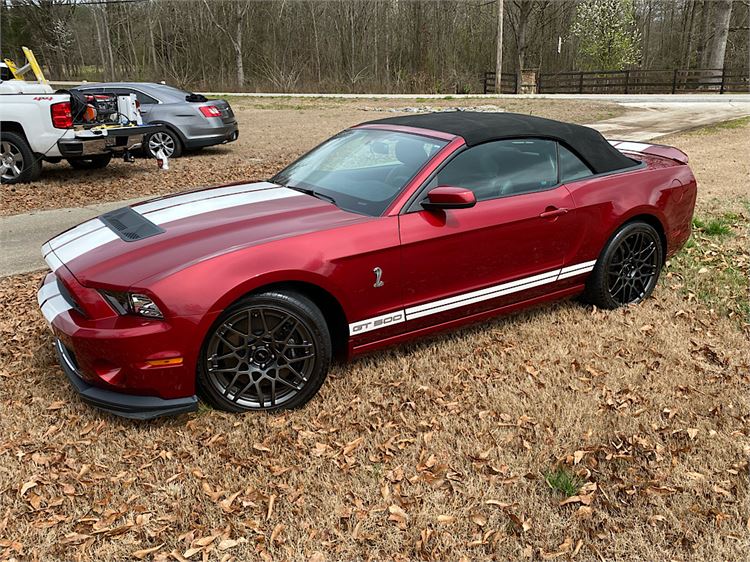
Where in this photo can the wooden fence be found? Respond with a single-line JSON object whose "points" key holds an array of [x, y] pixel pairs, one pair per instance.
{"points": [[676, 81], [508, 83]]}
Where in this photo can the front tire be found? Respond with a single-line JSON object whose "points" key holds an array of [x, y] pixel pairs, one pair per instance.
{"points": [[628, 269], [94, 162], [268, 351], [17, 162]]}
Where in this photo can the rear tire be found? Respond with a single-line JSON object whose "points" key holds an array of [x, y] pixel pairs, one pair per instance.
{"points": [[17, 162], [94, 162], [627, 269], [167, 140], [268, 351]]}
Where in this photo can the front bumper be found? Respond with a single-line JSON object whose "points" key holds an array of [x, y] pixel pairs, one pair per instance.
{"points": [[124, 405], [106, 358]]}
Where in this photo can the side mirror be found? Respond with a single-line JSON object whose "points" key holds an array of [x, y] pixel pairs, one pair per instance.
{"points": [[445, 197]]}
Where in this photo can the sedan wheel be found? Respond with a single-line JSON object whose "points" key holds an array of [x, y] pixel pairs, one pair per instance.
{"points": [[628, 269], [165, 141], [269, 351]]}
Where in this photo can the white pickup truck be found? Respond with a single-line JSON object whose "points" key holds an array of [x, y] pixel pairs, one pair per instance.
{"points": [[37, 124]]}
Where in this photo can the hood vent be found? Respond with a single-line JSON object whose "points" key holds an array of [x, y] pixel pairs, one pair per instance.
{"points": [[130, 225]]}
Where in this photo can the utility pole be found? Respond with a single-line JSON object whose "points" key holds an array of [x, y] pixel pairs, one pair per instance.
{"points": [[499, 52]]}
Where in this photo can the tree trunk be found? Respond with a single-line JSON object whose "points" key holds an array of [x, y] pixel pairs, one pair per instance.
{"points": [[499, 49], [238, 54], [718, 46], [689, 38], [108, 44], [705, 34]]}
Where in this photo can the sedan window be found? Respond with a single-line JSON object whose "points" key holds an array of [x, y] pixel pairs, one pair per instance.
{"points": [[502, 168], [361, 170], [144, 99]]}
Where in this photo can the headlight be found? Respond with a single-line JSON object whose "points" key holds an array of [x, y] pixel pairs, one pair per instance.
{"points": [[132, 303]]}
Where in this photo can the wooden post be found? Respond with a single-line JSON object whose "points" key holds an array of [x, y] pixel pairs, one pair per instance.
{"points": [[674, 81], [723, 79], [627, 79], [580, 83], [499, 49]]}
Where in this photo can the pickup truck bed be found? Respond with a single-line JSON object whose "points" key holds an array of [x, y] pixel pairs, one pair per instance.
{"points": [[36, 125]]}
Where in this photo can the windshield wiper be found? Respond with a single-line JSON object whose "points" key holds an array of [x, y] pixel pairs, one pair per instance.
{"points": [[312, 192]]}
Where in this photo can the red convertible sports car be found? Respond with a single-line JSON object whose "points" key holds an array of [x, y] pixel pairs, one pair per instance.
{"points": [[390, 230]]}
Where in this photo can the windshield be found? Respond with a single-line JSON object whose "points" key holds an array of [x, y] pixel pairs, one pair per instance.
{"points": [[362, 170]]}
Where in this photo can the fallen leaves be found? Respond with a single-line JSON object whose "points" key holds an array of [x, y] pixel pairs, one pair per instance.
{"points": [[398, 516], [145, 552]]}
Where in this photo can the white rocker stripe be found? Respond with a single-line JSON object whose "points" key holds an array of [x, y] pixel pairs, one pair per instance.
{"points": [[574, 270], [481, 295], [465, 299], [376, 323], [200, 196]]}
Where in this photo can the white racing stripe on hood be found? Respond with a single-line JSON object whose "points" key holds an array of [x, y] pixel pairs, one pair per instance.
{"points": [[80, 230], [85, 244], [92, 234], [199, 207], [174, 200]]}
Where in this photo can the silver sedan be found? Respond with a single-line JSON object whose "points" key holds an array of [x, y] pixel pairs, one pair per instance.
{"points": [[191, 121]]}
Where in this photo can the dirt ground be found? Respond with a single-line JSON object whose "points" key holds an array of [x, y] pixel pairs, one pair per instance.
{"points": [[562, 432], [273, 132]]}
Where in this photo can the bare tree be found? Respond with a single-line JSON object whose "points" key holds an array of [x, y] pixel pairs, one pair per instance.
{"points": [[499, 47]]}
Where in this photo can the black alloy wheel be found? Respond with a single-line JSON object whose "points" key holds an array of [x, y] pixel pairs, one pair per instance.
{"points": [[628, 269], [269, 351]]}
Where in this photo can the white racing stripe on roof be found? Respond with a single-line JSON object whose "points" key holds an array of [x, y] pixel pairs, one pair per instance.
{"points": [[201, 206], [175, 200]]}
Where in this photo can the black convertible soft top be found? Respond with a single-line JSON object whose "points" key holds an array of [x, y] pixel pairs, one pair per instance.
{"points": [[477, 127]]}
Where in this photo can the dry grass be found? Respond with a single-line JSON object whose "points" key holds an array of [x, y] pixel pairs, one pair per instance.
{"points": [[559, 431], [273, 132]]}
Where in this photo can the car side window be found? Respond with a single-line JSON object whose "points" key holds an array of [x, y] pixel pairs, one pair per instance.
{"points": [[140, 96], [144, 99], [571, 167], [503, 168]]}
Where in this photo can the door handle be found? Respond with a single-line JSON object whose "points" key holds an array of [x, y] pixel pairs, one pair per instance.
{"points": [[552, 212]]}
